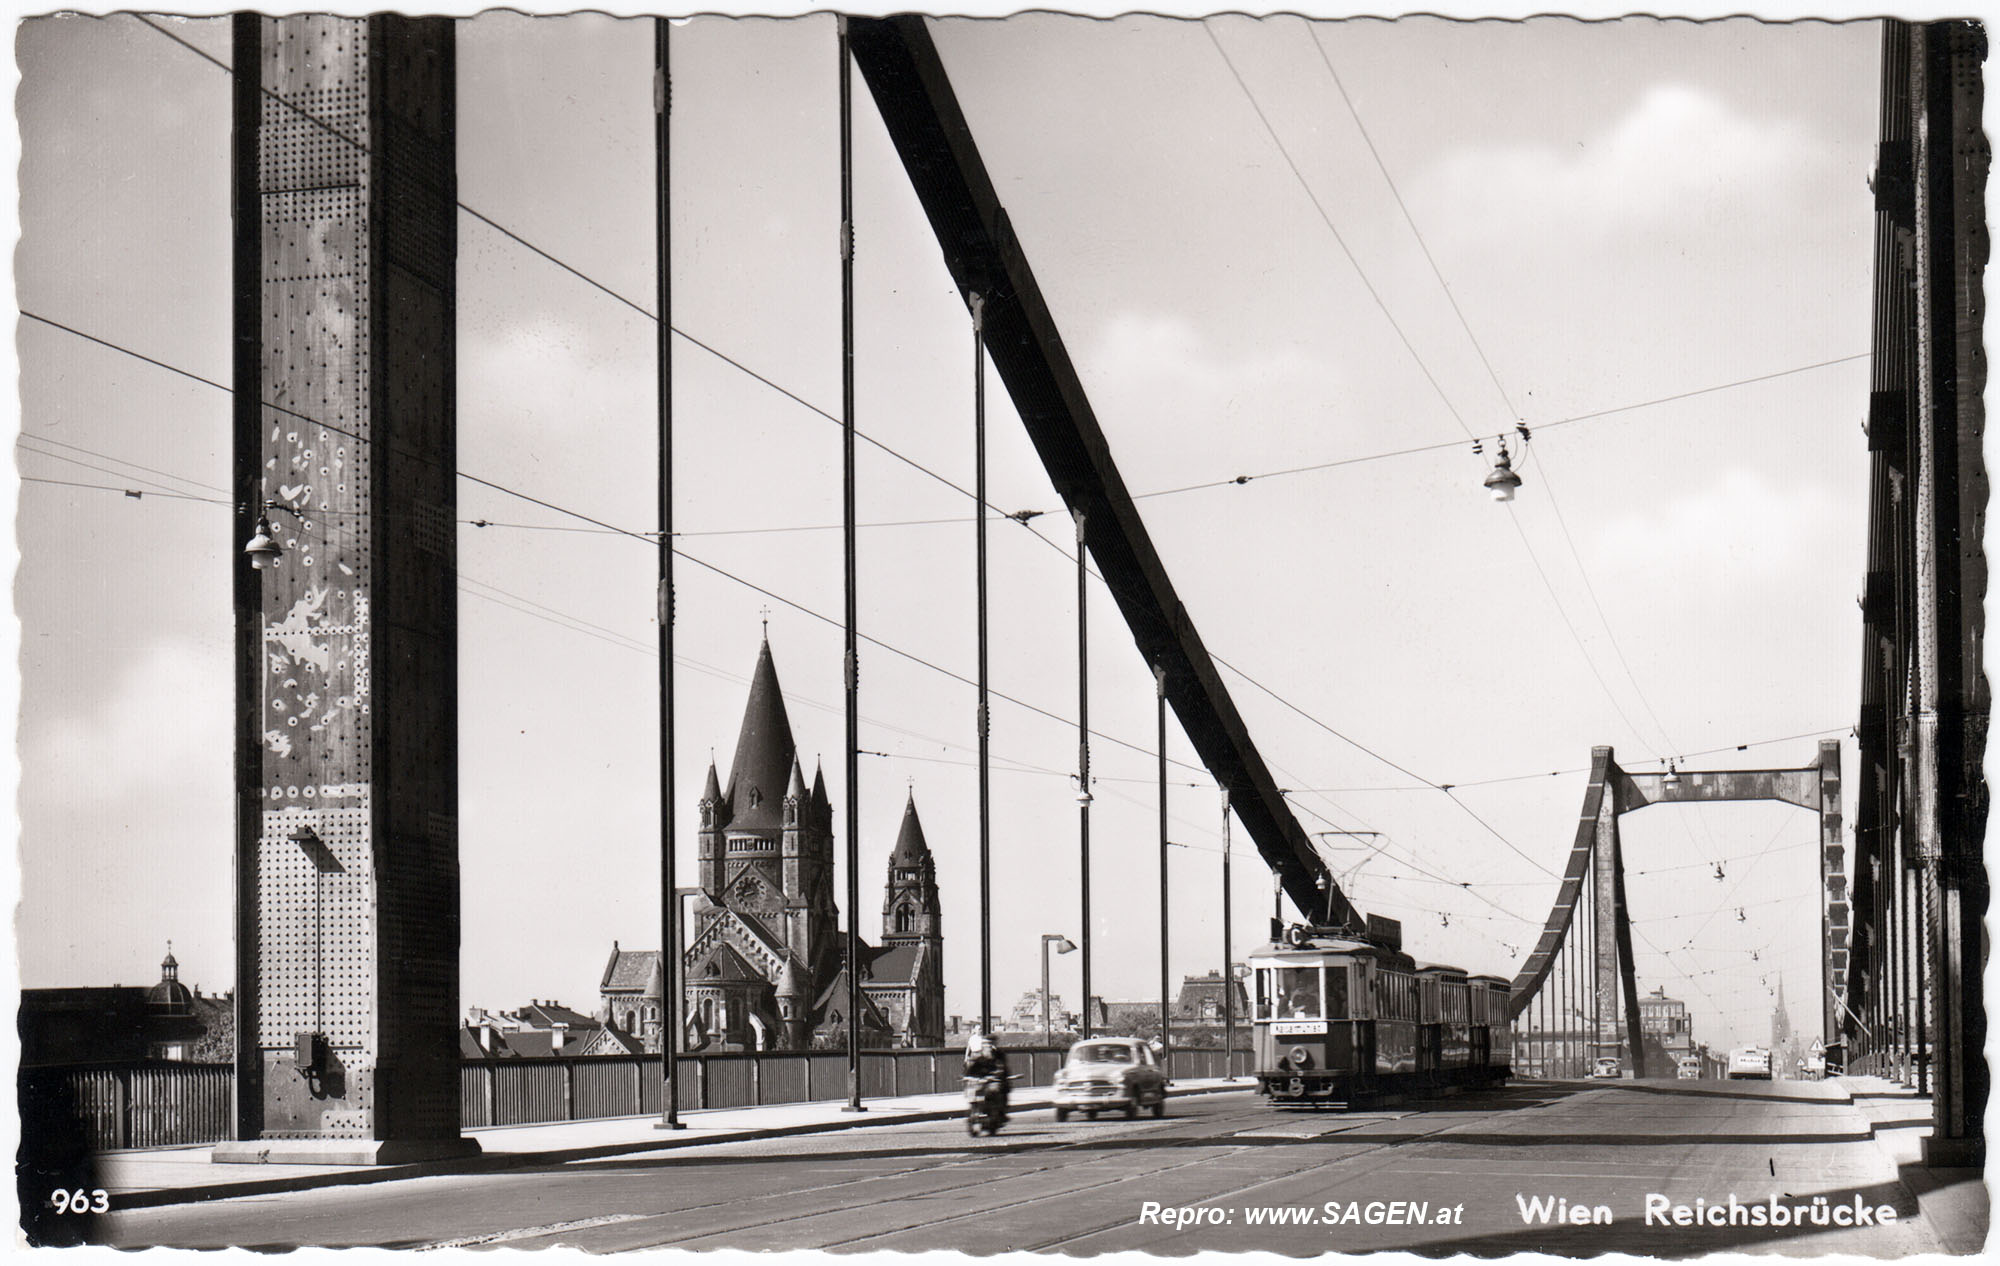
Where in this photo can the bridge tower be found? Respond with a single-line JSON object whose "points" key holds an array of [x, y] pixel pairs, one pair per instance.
{"points": [[346, 858], [1586, 947], [1914, 1006]]}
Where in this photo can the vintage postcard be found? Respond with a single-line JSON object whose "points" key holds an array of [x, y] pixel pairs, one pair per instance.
{"points": [[1001, 632]]}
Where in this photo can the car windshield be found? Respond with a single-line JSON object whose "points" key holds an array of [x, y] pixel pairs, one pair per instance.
{"points": [[1101, 1053]]}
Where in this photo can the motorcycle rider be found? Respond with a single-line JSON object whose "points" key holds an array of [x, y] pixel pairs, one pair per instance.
{"points": [[987, 1062]]}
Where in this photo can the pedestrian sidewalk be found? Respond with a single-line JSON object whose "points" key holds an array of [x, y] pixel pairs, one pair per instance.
{"points": [[1954, 1202], [183, 1175]]}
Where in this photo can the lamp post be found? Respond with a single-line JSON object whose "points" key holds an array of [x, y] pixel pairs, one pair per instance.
{"points": [[1063, 946], [670, 958], [1228, 979], [847, 511], [1160, 713], [1083, 796]]}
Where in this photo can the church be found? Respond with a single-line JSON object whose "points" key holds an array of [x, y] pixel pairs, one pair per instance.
{"points": [[766, 966]]}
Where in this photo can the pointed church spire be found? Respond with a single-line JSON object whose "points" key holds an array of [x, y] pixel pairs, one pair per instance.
{"points": [[765, 752], [911, 850]]}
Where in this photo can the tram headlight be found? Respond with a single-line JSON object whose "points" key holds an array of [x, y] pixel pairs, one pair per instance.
{"points": [[1300, 1057]]}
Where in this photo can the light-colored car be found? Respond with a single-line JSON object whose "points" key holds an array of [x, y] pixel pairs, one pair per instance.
{"points": [[1690, 1069], [1107, 1073], [1606, 1068]]}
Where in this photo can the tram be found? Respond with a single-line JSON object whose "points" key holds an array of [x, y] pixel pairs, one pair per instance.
{"points": [[1344, 1018]]}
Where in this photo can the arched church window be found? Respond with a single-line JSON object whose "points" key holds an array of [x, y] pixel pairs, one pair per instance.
{"points": [[903, 919]]}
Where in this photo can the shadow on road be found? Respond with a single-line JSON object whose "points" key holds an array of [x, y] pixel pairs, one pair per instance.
{"points": [[1745, 1090]]}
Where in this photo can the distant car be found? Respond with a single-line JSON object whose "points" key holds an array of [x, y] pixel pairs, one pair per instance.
{"points": [[1690, 1069], [1105, 1073], [1750, 1062], [1606, 1068]]}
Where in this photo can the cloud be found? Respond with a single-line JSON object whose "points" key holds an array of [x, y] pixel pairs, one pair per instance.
{"points": [[163, 730], [1740, 524], [1679, 158], [1159, 372]]}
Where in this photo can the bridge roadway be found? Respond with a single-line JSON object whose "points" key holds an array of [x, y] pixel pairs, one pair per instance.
{"points": [[1086, 1187]]}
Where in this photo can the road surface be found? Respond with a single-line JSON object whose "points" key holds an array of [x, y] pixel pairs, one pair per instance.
{"points": [[1497, 1171]]}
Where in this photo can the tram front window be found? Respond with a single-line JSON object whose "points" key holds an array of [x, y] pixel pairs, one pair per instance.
{"points": [[1298, 993]]}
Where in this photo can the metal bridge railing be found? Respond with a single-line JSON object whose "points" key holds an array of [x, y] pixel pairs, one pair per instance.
{"points": [[164, 1103]]}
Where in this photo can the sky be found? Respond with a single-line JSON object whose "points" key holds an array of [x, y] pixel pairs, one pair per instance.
{"points": [[1252, 234]]}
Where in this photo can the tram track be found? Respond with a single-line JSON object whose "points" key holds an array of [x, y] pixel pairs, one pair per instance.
{"points": [[1220, 1149], [1265, 1181], [968, 1157]]}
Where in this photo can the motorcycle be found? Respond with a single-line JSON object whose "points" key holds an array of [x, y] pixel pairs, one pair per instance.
{"points": [[986, 1104]]}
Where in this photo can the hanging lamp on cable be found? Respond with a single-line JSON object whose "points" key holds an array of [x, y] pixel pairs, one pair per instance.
{"points": [[1503, 481], [262, 549]]}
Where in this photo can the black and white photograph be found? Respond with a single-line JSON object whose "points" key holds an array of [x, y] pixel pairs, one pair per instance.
{"points": [[1001, 631]]}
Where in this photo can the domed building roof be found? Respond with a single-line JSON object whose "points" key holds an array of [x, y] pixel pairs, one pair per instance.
{"points": [[170, 996]]}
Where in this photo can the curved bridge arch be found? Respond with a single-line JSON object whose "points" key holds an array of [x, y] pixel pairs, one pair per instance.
{"points": [[1589, 920]]}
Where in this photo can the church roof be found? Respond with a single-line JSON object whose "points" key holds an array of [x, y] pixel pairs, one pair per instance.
{"points": [[911, 851], [631, 969], [611, 1040], [895, 965], [723, 964], [830, 1011], [765, 752]]}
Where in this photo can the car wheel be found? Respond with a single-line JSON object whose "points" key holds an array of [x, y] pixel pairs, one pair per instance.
{"points": [[1160, 1106], [1062, 1114], [1132, 1110], [972, 1126], [1090, 1114]]}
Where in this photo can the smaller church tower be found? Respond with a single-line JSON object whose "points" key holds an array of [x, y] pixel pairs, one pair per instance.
{"points": [[910, 908], [714, 817]]}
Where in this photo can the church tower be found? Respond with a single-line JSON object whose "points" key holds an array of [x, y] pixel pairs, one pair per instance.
{"points": [[765, 846], [910, 908]]}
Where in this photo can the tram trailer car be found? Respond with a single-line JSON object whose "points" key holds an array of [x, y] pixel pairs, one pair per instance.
{"points": [[1340, 1020], [1492, 1036], [1444, 1008]]}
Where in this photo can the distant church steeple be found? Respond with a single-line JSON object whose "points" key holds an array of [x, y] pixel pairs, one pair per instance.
{"points": [[910, 907]]}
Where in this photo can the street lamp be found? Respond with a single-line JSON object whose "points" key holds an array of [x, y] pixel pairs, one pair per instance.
{"points": [[262, 549], [1063, 946]]}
